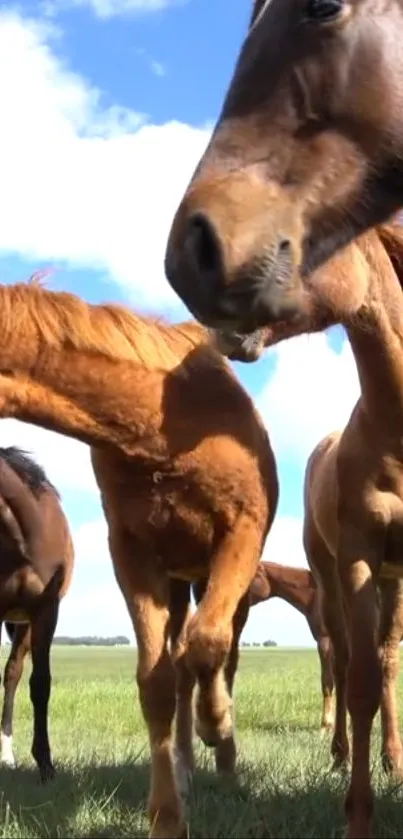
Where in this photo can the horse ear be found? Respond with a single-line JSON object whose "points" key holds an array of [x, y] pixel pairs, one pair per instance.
{"points": [[257, 8]]}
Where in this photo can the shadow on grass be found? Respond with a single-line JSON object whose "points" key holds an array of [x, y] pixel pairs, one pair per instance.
{"points": [[108, 802]]}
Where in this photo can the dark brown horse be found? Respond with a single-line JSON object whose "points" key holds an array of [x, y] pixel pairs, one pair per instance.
{"points": [[307, 153], [36, 563], [298, 588]]}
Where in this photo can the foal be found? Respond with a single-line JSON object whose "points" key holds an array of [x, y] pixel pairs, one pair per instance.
{"points": [[225, 750], [188, 484], [36, 563], [298, 588], [357, 538]]}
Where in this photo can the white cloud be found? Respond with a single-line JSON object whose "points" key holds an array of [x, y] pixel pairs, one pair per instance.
{"points": [[65, 461], [311, 393], [106, 9], [284, 542], [276, 619], [82, 183], [92, 185], [94, 604], [157, 68]]}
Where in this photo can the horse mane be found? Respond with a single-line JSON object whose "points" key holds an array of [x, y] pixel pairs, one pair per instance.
{"points": [[30, 473], [64, 320]]}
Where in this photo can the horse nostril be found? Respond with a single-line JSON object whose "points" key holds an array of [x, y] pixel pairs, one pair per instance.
{"points": [[202, 245]]}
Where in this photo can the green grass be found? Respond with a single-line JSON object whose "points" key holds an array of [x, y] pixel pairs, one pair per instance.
{"points": [[284, 788]]}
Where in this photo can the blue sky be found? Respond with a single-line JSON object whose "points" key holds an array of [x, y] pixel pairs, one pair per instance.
{"points": [[107, 107]]}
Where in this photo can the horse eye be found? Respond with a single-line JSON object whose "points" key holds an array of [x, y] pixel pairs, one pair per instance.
{"points": [[323, 10]]}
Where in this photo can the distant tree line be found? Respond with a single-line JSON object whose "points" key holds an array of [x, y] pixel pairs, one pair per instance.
{"points": [[91, 641], [268, 643]]}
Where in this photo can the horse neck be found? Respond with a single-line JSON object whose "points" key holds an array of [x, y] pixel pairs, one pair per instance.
{"points": [[294, 585], [83, 393], [376, 338]]}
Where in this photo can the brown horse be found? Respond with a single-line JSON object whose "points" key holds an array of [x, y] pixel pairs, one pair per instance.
{"points": [[188, 485], [320, 525], [307, 153], [36, 563], [298, 588], [357, 538], [225, 751]]}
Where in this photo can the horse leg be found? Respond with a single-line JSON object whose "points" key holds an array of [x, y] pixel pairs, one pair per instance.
{"points": [[332, 612], [225, 750], [391, 631], [185, 681], [12, 675], [43, 627], [327, 681], [146, 590], [364, 680], [210, 630]]}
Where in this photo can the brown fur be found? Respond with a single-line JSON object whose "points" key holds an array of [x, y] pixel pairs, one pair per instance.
{"points": [[188, 485], [306, 155], [298, 588], [36, 564], [354, 500]]}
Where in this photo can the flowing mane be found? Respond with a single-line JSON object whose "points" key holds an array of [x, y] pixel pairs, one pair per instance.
{"points": [[63, 320], [32, 475]]}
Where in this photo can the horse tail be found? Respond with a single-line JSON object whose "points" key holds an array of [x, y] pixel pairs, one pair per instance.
{"points": [[19, 511]]}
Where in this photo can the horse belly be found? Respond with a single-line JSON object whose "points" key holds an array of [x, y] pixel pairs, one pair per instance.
{"points": [[186, 546], [16, 616], [169, 526]]}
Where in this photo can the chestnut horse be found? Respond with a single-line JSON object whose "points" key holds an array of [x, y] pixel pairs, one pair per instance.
{"points": [[36, 564], [307, 153], [357, 538], [298, 588], [188, 484], [320, 524]]}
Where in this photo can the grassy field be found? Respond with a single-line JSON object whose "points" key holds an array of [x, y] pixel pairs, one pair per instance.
{"points": [[284, 788]]}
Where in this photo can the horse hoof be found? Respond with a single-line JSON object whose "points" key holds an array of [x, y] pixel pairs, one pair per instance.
{"points": [[47, 773], [392, 766], [8, 762], [340, 765], [225, 757], [184, 781], [326, 728], [167, 832], [6, 752]]}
